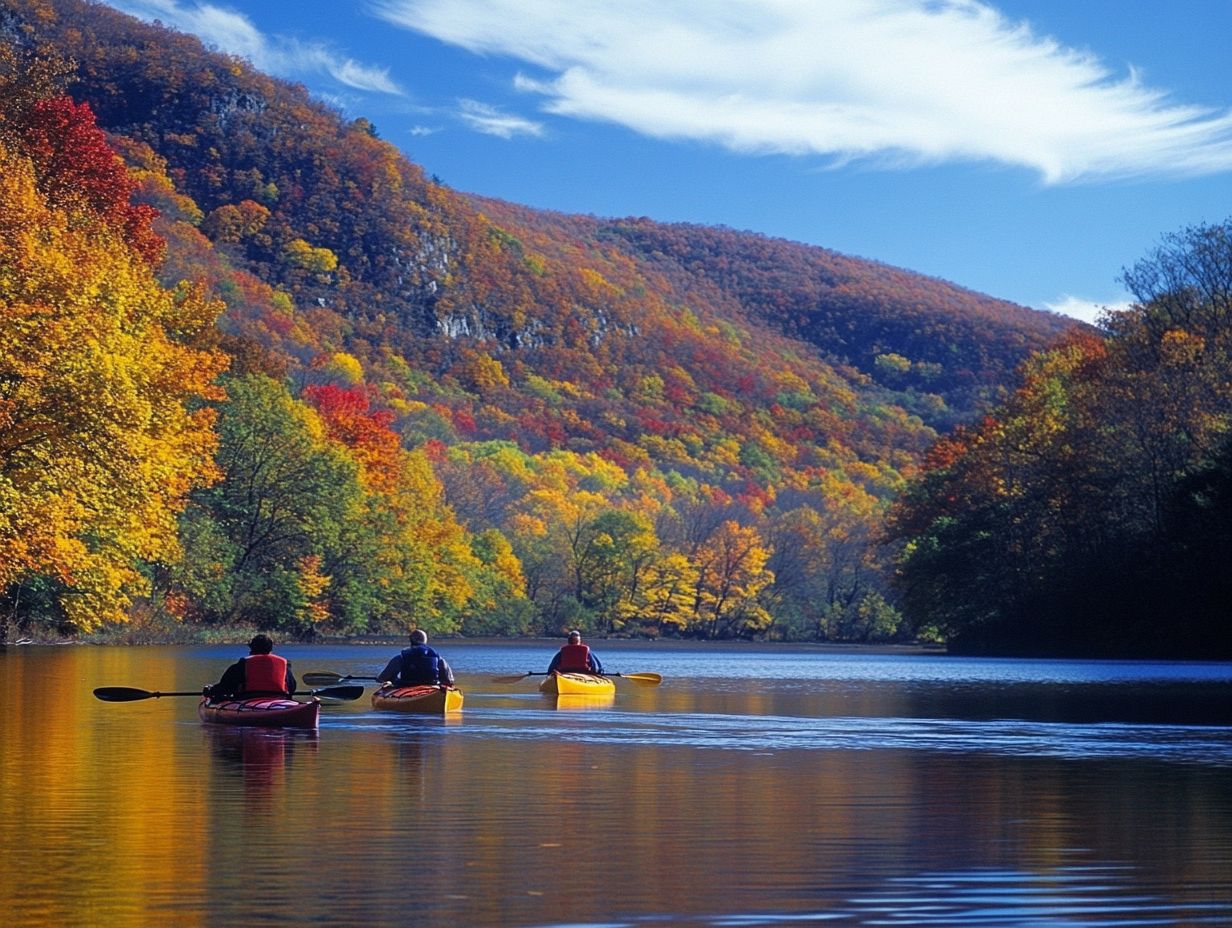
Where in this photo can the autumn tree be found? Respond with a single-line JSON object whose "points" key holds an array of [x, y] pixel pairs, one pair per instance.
{"points": [[75, 169], [613, 553], [279, 513], [101, 434], [731, 575], [426, 569], [1058, 524], [663, 601], [830, 578]]}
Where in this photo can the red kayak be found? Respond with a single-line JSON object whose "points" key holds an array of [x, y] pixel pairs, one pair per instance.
{"points": [[261, 711]]}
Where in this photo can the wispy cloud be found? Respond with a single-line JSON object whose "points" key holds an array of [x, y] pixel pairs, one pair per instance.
{"points": [[234, 33], [1084, 309], [889, 81], [354, 74], [491, 121]]}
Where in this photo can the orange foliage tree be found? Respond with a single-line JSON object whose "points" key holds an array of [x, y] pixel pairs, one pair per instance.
{"points": [[101, 438]]}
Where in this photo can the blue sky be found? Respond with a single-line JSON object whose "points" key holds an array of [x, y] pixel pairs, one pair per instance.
{"points": [[1028, 149]]}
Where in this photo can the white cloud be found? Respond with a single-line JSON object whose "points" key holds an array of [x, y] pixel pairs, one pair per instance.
{"points": [[361, 77], [1084, 309], [491, 121], [234, 33], [891, 81]]}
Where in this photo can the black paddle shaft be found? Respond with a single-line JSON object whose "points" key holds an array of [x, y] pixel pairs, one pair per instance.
{"points": [[131, 693]]}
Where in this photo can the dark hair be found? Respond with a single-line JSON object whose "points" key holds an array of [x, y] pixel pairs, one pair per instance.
{"points": [[261, 644], [575, 634], [419, 636]]}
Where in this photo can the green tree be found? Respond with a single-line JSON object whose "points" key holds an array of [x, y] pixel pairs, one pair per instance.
{"points": [[286, 505], [612, 555]]}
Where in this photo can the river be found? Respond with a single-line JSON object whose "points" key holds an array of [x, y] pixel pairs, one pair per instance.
{"points": [[758, 785]]}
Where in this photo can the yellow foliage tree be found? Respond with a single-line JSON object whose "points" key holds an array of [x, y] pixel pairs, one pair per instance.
{"points": [[732, 573], [481, 372], [299, 253], [99, 442], [666, 595], [345, 367]]}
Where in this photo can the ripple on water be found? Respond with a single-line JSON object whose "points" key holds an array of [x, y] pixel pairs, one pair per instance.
{"points": [[1088, 896], [1206, 745]]}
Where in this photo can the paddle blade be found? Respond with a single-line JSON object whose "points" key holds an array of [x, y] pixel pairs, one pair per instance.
{"points": [[344, 693], [131, 693], [642, 679], [321, 678], [511, 679], [121, 693]]}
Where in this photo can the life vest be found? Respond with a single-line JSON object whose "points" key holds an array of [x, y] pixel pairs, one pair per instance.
{"points": [[420, 666], [265, 673], [574, 658]]}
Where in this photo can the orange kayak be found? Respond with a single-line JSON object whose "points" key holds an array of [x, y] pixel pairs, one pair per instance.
{"points": [[577, 684], [262, 712], [424, 700]]}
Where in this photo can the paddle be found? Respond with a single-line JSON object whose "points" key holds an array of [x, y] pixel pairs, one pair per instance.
{"points": [[325, 677], [642, 679], [514, 678], [131, 694]]}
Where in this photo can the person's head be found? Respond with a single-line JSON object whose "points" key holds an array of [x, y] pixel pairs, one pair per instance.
{"points": [[260, 644], [419, 636], [575, 637]]}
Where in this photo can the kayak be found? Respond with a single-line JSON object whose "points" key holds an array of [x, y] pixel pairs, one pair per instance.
{"points": [[424, 700], [577, 684], [261, 711]]}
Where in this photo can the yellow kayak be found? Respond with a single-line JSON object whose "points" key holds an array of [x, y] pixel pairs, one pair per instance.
{"points": [[577, 684], [423, 700]]}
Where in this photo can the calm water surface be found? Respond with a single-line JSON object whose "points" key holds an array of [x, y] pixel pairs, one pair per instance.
{"points": [[756, 786]]}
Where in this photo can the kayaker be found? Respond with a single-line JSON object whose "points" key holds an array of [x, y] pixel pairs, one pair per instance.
{"points": [[418, 665], [261, 673], [575, 657]]}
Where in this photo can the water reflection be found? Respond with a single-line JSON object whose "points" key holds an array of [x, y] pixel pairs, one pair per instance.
{"points": [[848, 798], [579, 703], [258, 758]]}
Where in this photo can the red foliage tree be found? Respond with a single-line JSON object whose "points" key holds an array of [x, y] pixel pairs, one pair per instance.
{"points": [[77, 167], [349, 419]]}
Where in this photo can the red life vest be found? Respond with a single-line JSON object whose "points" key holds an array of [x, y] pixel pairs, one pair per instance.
{"points": [[265, 673], [574, 658]]}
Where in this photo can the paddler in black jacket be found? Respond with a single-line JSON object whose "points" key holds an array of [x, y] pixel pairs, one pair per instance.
{"points": [[418, 665]]}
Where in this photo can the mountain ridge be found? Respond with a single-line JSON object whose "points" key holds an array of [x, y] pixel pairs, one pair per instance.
{"points": [[214, 119], [808, 281]]}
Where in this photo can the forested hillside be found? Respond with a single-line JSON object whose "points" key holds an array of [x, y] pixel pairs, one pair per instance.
{"points": [[1091, 514], [454, 412], [943, 351]]}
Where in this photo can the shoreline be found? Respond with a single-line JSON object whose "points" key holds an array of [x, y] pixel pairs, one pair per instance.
{"points": [[386, 640]]}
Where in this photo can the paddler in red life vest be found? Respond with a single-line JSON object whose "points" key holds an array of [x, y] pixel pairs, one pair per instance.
{"points": [[418, 665], [261, 673], [575, 657]]}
